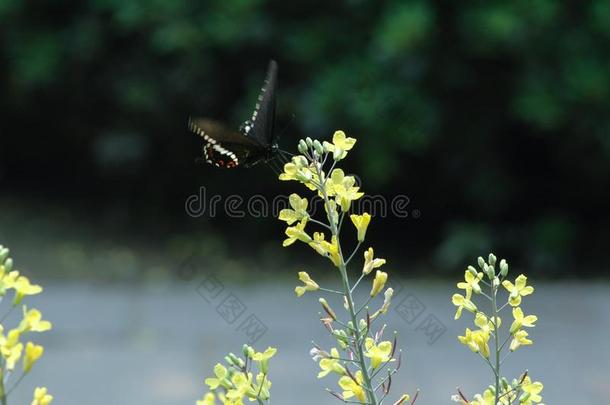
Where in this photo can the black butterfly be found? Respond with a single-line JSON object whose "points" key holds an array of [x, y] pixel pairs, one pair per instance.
{"points": [[255, 141]]}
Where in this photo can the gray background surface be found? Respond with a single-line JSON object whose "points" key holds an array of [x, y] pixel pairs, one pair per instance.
{"points": [[154, 345]]}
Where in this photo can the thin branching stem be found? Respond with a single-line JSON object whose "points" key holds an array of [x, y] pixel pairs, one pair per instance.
{"points": [[335, 229]]}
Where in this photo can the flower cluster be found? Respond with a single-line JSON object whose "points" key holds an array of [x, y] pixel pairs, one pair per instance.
{"points": [[362, 358], [232, 383], [12, 347], [486, 340]]}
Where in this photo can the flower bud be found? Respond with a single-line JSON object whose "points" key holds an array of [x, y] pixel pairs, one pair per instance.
{"points": [[247, 351], [3, 254], [303, 161], [302, 146], [473, 271], [503, 268], [379, 282], [490, 271], [492, 259], [304, 176], [327, 308], [481, 263], [524, 397], [309, 142], [362, 324], [318, 147], [387, 300], [403, 399], [504, 383], [8, 265], [234, 360], [342, 338]]}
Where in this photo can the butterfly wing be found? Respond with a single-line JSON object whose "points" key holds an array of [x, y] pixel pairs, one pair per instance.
{"points": [[261, 126], [224, 147]]}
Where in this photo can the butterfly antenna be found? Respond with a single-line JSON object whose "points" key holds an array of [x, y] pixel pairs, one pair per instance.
{"points": [[279, 161], [273, 167], [286, 153], [286, 158], [292, 118]]}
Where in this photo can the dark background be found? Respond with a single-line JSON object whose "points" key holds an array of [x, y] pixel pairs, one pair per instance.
{"points": [[491, 116]]}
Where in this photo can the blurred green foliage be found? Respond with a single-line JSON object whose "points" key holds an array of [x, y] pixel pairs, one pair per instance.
{"points": [[485, 113]]}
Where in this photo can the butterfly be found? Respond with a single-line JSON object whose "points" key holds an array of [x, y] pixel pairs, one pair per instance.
{"points": [[254, 142]]}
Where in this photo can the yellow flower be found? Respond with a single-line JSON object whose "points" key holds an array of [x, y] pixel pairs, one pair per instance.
{"points": [[12, 355], [325, 248], [220, 373], [263, 358], [316, 244], [378, 354], [471, 282], [230, 401], [379, 282], [298, 211], [266, 355], [488, 398], [298, 169], [519, 339], [486, 324], [361, 222], [32, 321], [32, 354], [353, 388], [331, 210], [11, 348], [477, 341], [331, 364], [8, 280], [41, 397], [262, 387], [518, 290], [310, 285], [242, 383], [343, 188], [533, 389], [341, 144], [522, 320], [387, 299], [297, 232], [23, 287], [370, 262], [208, 399], [463, 303]]}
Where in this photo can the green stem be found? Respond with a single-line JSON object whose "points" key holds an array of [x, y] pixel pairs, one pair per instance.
{"points": [[494, 294], [368, 387], [3, 395], [358, 339]]}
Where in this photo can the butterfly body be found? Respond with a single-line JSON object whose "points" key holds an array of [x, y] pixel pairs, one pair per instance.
{"points": [[254, 142]]}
